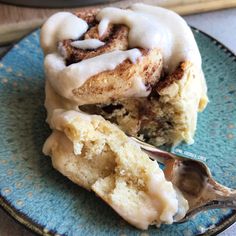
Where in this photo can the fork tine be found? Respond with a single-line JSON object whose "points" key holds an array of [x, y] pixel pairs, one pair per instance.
{"points": [[151, 150]]}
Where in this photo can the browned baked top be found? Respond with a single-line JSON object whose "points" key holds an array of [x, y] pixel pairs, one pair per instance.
{"points": [[116, 38], [167, 80]]}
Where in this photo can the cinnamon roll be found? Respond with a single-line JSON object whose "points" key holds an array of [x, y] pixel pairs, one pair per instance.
{"points": [[115, 71], [129, 73]]}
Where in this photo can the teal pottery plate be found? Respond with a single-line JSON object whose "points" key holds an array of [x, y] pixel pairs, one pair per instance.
{"points": [[42, 199]]}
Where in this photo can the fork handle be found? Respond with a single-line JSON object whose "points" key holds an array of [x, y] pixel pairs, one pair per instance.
{"points": [[222, 199], [221, 204], [215, 204], [225, 199]]}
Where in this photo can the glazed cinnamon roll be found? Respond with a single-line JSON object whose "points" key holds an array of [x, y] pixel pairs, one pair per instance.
{"points": [[132, 75], [134, 87], [113, 72]]}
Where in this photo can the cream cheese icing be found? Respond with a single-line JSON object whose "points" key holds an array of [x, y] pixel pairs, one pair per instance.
{"points": [[102, 27], [66, 78], [87, 44], [60, 26], [149, 26], [152, 27], [55, 101]]}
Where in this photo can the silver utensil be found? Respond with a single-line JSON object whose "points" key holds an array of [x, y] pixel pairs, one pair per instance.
{"points": [[193, 178]]}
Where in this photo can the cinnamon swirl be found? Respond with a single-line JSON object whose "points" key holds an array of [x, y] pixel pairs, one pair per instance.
{"points": [[129, 72]]}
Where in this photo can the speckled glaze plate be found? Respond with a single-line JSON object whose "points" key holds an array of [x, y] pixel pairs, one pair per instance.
{"points": [[48, 203]]}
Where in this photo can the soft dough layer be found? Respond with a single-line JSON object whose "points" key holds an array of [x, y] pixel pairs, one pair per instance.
{"points": [[97, 155], [168, 116]]}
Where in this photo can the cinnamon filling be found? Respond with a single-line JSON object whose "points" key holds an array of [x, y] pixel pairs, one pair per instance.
{"points": [[115, 38]]}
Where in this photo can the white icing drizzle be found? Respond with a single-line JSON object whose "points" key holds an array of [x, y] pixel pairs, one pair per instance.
{"points": [[138, 89], [163, 197], [87, 44], [60, 26], [152, 27], [66, 78], [55, 101], [142, 32], [102, 27]]}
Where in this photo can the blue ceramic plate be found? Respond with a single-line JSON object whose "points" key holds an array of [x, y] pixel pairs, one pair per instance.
{"points": [[47, 202]]}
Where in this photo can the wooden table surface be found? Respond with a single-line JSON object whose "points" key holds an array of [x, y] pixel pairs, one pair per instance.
{"points": [[9, 227], [16, 21]]}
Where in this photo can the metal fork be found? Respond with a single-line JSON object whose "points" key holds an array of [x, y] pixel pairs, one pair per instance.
{"points": [[193, 178]]}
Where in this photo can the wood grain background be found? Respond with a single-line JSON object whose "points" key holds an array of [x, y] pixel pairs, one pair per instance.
{"points": [[16, 22], [9, 227]]}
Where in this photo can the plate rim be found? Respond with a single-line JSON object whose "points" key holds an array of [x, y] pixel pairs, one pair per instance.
{"points": [[39, 229]]}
